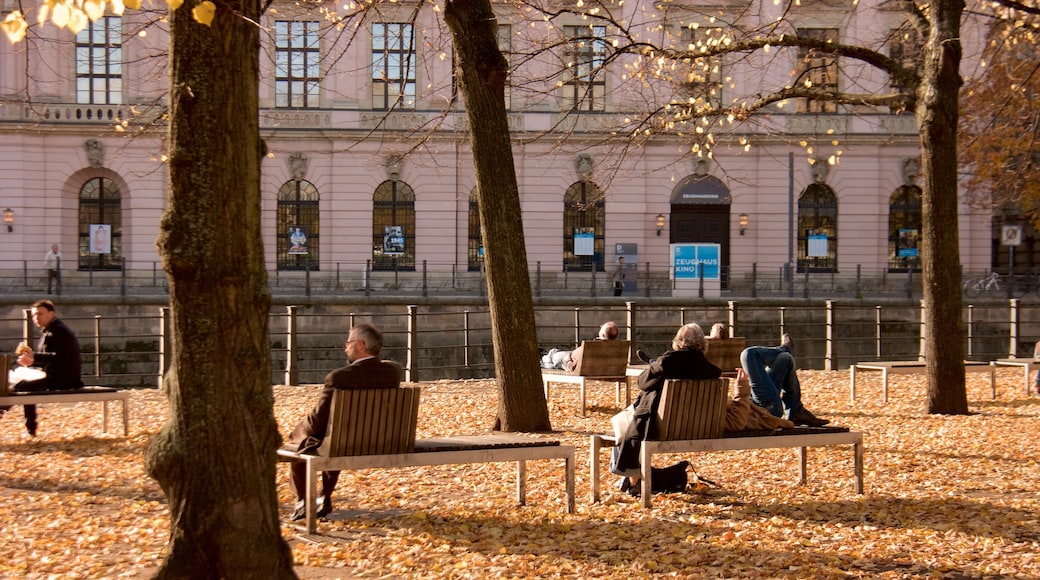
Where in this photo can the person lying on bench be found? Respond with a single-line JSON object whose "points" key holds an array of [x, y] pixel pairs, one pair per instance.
{"points": [[364, 371], [774, 382], [568, 359], [56, 353], [686, 360]]}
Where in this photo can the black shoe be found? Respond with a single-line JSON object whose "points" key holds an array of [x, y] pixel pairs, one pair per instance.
{"points": [[31, 428], [635, 490], [324, 507], [804, 417], [787, 342], [641, 355]]}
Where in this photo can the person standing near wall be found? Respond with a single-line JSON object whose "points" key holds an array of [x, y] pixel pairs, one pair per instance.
{"points": [[617, 277], [52, 261]]}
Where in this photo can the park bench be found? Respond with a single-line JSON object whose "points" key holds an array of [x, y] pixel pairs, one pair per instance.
{"points": [[375, 428], [887, 368], [725, 353], [600, 360], [104, 395], [691, 418]]}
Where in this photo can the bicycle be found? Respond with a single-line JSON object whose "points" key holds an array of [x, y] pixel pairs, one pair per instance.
{"points": [[972, 288]]}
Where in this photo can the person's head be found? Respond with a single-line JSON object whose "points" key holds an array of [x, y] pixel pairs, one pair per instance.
{"points": [[718, 330], [609, 331], [689, 337], [54, 248], [621, 260], [42, 313], [364, 340]]}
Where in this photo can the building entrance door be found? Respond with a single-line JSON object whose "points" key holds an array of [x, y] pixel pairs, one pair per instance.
{"points": [[703, 223]]}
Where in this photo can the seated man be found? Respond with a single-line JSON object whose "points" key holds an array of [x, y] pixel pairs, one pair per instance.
{"points": [[568, 359], [774, 382], [57, 354], [364, 371]]}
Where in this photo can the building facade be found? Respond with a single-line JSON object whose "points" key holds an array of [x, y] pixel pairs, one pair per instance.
{"points": [[369, 165]]}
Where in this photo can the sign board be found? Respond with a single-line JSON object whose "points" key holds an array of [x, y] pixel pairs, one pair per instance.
{"points": [[584, 241], [393, 241], [100, 239], [817, 245], [630, 252], [1011, 235], [692, 261], [298, 240], [906, 243]]}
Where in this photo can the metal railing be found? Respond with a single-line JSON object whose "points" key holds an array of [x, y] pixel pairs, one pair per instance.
{"points": [[450, 341]]}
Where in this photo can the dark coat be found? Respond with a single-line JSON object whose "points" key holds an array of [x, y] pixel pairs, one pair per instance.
{"points": [[673, 364], [57, 353], [369, 373]]}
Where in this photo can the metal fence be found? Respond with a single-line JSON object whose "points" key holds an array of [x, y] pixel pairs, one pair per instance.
{"points": [[128, 346]]}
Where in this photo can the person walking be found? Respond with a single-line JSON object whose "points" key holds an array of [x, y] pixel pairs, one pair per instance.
{"points": [[617, 277], [52, 261]]}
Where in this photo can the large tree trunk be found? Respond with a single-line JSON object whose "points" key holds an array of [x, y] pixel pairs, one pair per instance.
{"points": [[521, 401], [215, 456], [937, 118]]}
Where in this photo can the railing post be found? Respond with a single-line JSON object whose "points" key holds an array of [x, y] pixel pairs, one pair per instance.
{"points": [[1013, 338], [411, 372], [122, 277], [859, 277], [465, 338], [783, 312], [971, 328], [647, 291], [425, 284], [577, 326], [27, 327], [732, 310], [829, 362], [164, 342], [877, 331], [307, 276], [97, 345], [592, 290], [630, 321], [754, 280], [537, 279], [805, 291], [682, 316], [292, 372], [368, 277], [924, 319]]}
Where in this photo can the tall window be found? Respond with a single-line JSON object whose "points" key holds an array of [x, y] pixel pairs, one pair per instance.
{"points": [[818, 229], [703, 80], [297, 74], [904, 47], [817, 70], [393, 226], [476, 244], [298, 226], [99, 62], [100, 225], [585, 89], [584, 227], [904, 229], [393, 65]]}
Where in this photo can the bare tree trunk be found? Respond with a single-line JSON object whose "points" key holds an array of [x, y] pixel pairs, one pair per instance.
{"points": [[937, 118], [215, 456], [521, 401]]}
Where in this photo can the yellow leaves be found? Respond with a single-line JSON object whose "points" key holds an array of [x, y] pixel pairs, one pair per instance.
{"points": [[14, 27], [174, 4], [204, 12]]}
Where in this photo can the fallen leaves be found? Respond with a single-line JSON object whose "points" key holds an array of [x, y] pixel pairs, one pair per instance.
{"points": [[950, 497]]}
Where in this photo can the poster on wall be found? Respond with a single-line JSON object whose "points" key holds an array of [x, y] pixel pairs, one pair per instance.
{"points": [[906, 244], [817, 245], [692, 261], [298, 240], [393, 241], [100, 239], [630, 252], [584, 242]]}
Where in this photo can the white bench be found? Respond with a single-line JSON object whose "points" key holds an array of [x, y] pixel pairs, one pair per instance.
{"points": [[911, 367], [1027, 365], [375, 428], [104, 395], [690, 419]]}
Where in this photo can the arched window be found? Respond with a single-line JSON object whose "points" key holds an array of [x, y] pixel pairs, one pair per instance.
{"points": [[299, 228], [584, 227], [393, 226], [476, 244], [818, 229], [100, 216], [904, 229]]}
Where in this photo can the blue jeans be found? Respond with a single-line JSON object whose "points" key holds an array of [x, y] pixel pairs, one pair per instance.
{"points": [[774, 383]]}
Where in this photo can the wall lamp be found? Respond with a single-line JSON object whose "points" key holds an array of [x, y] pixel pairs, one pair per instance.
{"points": [[743, 223], [660, 223], [9, 219]]}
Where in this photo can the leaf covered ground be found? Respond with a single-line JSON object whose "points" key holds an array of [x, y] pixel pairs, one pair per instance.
{"points": [[946, 497]]}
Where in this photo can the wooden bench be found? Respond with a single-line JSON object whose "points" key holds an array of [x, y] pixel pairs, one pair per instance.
{"points": [[725, 353], [691, 418], [912, 367], [104, 395], [600, 360], [375, 428]]}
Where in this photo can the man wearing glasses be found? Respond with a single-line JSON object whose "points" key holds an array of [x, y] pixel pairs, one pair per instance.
{"points": [[364, 370]]}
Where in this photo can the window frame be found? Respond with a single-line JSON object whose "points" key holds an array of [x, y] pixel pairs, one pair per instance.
{"points": [[298, 205], [585, 56], [99, 62], [393, 204], [388, 48], [299, 42], [100, 209], [581, 198], [818, 213]]}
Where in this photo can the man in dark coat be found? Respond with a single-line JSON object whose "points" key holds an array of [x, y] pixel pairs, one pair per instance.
{"points": [[57, 354], [686, 360], [364, 371]]}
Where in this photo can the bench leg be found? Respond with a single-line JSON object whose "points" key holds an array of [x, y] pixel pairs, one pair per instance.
{"points": [[884, 385], [312, 487], [646, 471], [126, 417], [104, 416], [581, 396], [595, 443], [568, 465], [857, 453], [801, 462], [521, 482], [852, 385]]}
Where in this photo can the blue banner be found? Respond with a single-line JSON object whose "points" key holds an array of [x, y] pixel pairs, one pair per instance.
{"points": [[690, 261]]}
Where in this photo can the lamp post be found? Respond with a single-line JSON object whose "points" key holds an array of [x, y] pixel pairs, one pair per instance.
{"points": [[9, 219], [660, 223], [743, 223]]}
